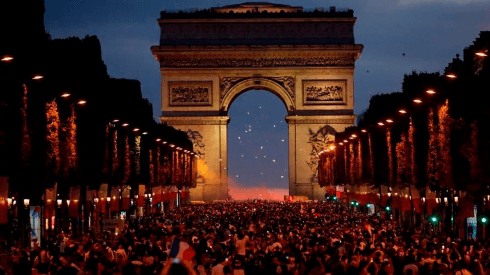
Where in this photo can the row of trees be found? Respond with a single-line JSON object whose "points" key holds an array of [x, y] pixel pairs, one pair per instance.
{"points": [[434, 135], [65, 121]]}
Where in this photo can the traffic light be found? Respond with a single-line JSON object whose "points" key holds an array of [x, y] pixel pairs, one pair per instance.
{"points": [[483, 220], [434, 219], [352, 203], [388, 208], [334, 198]]}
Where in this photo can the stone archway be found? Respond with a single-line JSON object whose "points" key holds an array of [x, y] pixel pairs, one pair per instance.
{"points": [[306, 59], [256, 83]]}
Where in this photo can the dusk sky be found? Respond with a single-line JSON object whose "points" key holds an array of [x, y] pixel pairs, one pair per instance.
{"points": [[398, 37]]}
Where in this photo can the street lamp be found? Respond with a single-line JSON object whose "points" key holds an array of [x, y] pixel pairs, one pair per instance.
{"points": [[9, 202], [481, 54], [82, 102], [451, 75], [26, 203], [402, 111], [59, 202], [434, 220], [431, 92], [7, 58], [389, 120], [37, 77], [65, 94], [417, 100], [381, 123]]}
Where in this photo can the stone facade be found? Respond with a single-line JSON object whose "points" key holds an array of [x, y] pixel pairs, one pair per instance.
{"points": [[315, 81]]}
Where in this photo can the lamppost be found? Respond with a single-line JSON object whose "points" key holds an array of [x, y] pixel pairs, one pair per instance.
{"points": [[27, 225]]}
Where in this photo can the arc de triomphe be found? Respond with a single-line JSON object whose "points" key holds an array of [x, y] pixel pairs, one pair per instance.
{"points": [[209, 57]]}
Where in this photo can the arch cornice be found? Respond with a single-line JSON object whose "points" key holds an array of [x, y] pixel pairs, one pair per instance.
{"points": [[256, 83]]}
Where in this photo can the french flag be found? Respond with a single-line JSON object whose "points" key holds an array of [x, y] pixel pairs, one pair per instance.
{"points": [[181, 250]]}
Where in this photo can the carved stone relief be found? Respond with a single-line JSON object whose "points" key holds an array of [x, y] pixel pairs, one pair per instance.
{"points": [[226, 83], [190, 93], [324, 91], [257, 62], [287, 82], [319, 140]]}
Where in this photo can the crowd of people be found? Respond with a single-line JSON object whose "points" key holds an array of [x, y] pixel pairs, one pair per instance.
{"points": [[257, 238]]}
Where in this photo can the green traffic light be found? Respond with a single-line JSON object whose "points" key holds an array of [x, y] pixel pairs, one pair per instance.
{"points": [[352, 203], [434, 219], [388, 208], [357, 204], [483, 220], [334, 198]]}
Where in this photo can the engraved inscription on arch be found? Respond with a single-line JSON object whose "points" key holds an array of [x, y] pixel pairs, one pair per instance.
{"points": [[324, 91]]}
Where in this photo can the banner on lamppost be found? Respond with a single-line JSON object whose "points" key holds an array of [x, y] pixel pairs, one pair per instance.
{"points": [[74, 202], [416, 199], [4, 194], [396, 200], [430, 200], [466, 205], [384, 195], [173, 192], [115, 199], [374, 195], [103, 197], [141, 196], [89, 198], [49, 208], [156, 195], [339, 191], [405, 199], [126, 200]]}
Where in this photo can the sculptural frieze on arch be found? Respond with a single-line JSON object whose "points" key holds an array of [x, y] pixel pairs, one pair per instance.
{"points": [[226, 83], [209, 57]]}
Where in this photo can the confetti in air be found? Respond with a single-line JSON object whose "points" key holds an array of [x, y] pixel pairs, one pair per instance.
{"points": [[250, 172]]}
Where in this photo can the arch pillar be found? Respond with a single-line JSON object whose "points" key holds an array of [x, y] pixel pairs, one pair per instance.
{"points": [[305, 133], [210, 137]]}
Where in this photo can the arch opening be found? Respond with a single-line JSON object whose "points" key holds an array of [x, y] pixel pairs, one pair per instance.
{"points": [[260, 84], [258, 153]]}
